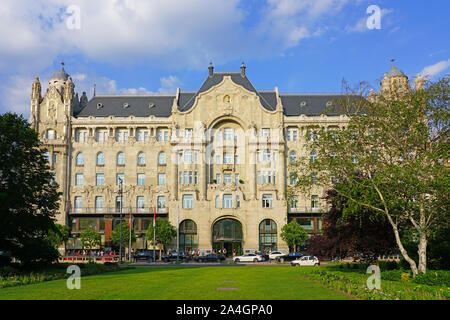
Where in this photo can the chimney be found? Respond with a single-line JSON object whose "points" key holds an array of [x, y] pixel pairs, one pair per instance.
{"points": [[243, 69], [211, 69]]}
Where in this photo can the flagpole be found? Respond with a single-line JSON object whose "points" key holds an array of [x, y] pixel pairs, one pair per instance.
{"points": [[129, 243]]}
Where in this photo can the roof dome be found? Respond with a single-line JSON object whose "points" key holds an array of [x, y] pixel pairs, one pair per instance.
{"points": [[61, 74], [395, 72]]}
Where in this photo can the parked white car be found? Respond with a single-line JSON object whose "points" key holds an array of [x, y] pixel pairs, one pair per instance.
{"points": [[275, 254], [249, 257], [306, 261]]}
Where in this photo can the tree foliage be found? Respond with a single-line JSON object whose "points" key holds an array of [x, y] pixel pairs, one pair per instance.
{"points": [[28, 197], [294, 235], [361, 235], [115, 235], [393, 154], [165, 232], [90, 239]]}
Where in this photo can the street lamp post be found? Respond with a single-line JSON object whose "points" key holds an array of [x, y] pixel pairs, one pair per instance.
{"points": [[120, 220]]}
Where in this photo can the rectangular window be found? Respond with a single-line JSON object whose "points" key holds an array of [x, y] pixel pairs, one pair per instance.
{"points": [[228, 134], [227, 201], [180, 177], [98, 203], [79, 179], [161, 202], [185, 181], [100, 179], [78, 204], [188, 133], [162, 179], [227, 178], [238, 202], [218, 161], [267, 201], [195, 177], [228, 158], [190, 177], [236, 159], [236, 178], [315, 202], [120, 177], [140, 203], [162, 135], [259, 177], [218, 178], [141, 179], [265, 132], [188, 201]]}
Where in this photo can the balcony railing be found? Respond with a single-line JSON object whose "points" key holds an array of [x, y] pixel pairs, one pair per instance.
{"points": [[306, 210], [125, 210]]}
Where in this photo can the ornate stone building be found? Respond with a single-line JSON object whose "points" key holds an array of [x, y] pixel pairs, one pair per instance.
{"points": [[216, 160]]}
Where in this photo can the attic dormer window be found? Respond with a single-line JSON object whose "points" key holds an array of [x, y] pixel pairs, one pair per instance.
{"points": [[303, 104], [329, 104], [125, 105], [99, 105], [151, 105]]}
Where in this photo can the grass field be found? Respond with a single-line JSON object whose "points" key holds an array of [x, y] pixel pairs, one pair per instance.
{"points": [[182, 283]]}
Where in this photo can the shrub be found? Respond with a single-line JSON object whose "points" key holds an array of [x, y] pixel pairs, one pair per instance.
{"points": [[434, 278]]}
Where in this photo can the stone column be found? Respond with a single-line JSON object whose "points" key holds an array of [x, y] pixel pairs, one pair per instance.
{"points": [[253, 174], [281, 174], [174, 169]]}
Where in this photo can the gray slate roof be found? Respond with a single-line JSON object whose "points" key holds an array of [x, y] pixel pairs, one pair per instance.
{"points": [[61, 74], [161, 105], [395, 72]]}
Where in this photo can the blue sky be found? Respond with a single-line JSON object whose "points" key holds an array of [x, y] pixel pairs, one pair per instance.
{"points": [[155, 46]]}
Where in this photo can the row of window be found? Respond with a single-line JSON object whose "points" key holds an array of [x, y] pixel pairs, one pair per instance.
{"points": [[120, 179], [121, 135], [227, 178], [99, 204], [162, 160]]}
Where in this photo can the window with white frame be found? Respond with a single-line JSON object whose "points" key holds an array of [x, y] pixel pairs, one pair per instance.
{"points": [[99, 179], [80, 159], [188, 201], [120, 177], [162, 135], [217, 202], [122, 135], [141, 179], [267, 201], [227, 178], [161, 202], [140, 202], [227, 158], [161, 179], [292, 157], [162, 158], [79, 179], [98, 203], [315, 202], [228, 134], [80, 135], [78, 203], [101, 135], [141, 159], [227, 201], [51, 134], [120, 159], [100, 159], [142, 135]]}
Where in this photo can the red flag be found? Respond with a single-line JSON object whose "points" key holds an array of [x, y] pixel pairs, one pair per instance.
{"points": [[154, 217]]}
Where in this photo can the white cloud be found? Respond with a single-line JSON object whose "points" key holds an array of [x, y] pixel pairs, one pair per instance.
{"points": [[435, 69], [16, 94], [287, 22]]}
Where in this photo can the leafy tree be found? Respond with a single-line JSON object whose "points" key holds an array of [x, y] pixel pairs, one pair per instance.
{"points": [[364, 234], [294, 235], [59, 235], [393, 156], [90, 239], [115, 235], [165, 232], [28, 196]]}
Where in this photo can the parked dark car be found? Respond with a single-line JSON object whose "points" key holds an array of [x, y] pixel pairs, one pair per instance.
{"points": [[212, 257], [145, 255], [182, 256], [290, 257], [263, 255]]}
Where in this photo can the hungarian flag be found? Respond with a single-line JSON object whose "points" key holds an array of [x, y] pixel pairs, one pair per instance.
{"points": [[154, 217], [129, 224]]}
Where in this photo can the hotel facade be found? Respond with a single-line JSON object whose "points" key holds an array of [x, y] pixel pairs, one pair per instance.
{"points": [[216, 161]]}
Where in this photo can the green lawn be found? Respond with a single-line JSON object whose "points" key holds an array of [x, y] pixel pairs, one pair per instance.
{"points": [[167, 283]]}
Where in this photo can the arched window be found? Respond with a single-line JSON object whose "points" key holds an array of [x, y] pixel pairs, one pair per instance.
{"points": [[162, 158], [100, 159], [80, 159], [267, 236], [292, 157], [141, 158], [313, 156], [121, 159], [188, 236]]}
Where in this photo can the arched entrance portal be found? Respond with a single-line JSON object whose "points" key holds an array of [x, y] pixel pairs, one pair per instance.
{"points": [[227, 234], [188, 236]]}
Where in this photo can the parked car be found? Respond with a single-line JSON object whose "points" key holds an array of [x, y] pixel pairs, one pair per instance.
{"points": [[290, 257], [306, 261], [249, 257], [145, 255], [265, 256], [275, 254], [212, 257], [182, 256]]}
